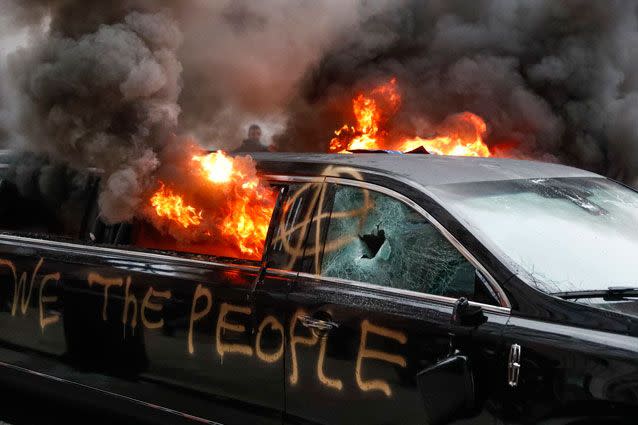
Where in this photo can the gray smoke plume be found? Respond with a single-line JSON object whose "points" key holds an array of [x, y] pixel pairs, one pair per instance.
{"points": [[102, 84], [243, 59], [106, 84], [557, 79], [101, 95]]}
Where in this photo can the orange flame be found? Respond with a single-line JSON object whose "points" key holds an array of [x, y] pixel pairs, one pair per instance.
{"points": [[459, 141], [171, 206], [461, 134], [237, 205], [371, 112], [247, 225], [217, 166], [252, 203]]}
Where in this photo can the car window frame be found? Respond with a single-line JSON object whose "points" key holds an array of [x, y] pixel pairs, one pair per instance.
{"points": [[195, 257], [504, 304], [78, 238], [255, 264], [86, 245], [288, 181]]}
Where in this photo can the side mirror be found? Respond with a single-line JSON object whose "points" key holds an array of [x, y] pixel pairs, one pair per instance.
{"points": [[447, 389], [467, 315]]}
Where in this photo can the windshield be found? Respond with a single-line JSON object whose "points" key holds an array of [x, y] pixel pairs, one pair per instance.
{"points": [[571, 234]]}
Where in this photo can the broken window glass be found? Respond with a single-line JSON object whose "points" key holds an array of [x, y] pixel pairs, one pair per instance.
{"points": [[377, 239]]}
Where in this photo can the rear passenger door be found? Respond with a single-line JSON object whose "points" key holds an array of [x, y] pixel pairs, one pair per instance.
{"points": [[198, 331], [374, 310]]}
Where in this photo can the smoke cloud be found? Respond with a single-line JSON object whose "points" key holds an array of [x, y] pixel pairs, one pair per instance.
{"points": [[106, 99], [120, 85], [556, 79], [109, 84], [243, 60]]}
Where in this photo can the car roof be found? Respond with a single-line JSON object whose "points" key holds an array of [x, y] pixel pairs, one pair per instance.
{"points": [[422, 169], [430, 170]]}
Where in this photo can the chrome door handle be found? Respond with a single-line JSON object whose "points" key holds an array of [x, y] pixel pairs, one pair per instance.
{"points": [[514, 365], [318, 324]]}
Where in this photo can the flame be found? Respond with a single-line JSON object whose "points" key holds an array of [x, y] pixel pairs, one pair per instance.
{"points": [[461, 134], [217, 166], [248, 226], [171, 206], [237, 206], [252, 204], [455, 142], [371, 112]]}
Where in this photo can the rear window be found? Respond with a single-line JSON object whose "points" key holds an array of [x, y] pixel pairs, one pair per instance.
{"points": [[43, 199], [145, 235], [241, 241]]}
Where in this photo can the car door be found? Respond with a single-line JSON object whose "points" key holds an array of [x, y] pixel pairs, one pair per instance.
{"points": [[375, 309], [218, 339]]}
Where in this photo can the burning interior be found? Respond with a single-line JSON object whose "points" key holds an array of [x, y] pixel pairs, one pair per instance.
{"points": [[219, 207], [216, 204]]}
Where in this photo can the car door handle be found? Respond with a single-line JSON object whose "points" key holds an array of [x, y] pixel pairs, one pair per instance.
{"points": [[318, 324]]}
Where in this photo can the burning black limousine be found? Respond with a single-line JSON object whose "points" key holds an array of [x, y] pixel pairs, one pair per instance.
{"points": [[388, 289]]}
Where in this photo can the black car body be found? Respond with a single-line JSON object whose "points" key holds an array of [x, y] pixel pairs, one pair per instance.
{"points": [[348, 318]]}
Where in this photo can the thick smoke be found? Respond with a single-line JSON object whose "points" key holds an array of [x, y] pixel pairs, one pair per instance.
{"points": [[106, 98], [557, 79], [243, 59], [107, 84], [98, 83]]}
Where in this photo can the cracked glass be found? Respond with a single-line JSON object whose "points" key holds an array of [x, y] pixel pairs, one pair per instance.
{"points": [[376, 239], [558, 234]]}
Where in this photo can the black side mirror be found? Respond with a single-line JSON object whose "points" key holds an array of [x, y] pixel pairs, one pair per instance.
{"points": [[467, 315]]}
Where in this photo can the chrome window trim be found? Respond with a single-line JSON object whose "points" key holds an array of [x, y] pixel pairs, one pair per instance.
{"points": [[102, 391], [440, 299], [505, 304], [297, 179], [123, 251], [281, 272]]}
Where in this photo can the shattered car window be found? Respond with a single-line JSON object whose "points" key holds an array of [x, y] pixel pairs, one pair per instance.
{"points": [[376, 239]]}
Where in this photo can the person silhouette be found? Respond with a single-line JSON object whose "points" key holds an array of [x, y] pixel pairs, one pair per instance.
{"points": [[253, 142]]}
